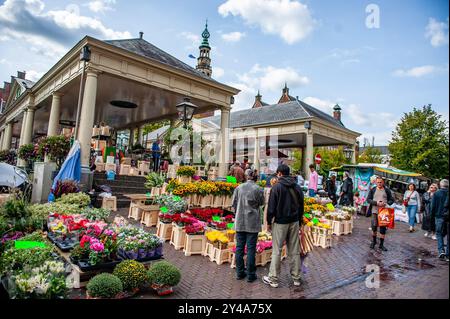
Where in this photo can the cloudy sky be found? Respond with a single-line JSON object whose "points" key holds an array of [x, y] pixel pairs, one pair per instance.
{"points": [[377, 59]]}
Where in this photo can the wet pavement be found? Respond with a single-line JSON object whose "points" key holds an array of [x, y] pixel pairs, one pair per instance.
{"points": [[409, 269]]}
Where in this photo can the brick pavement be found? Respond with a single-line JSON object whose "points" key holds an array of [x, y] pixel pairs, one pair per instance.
{"points": [[410, 269]]}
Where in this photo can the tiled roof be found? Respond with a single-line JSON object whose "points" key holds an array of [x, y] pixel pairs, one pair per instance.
{"points": [[26, 84], [148, 50], [293, 110]]}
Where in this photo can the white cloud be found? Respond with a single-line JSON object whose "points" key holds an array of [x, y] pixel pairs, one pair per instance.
{"points": [[49, 33], [194, 38], [323, 105], [420, 71], [101, 5], [233, 36], [33, 75], [291, 20], [217, 72], [245, 98], [359, 117], [437, 32], [381, 138]]}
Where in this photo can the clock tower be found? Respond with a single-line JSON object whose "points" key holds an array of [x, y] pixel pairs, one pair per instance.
{"points": [[204, 61]]}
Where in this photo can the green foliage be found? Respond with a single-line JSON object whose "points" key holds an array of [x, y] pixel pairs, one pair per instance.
{"points": [[80, 199], [29, 152], [56, 147], [16, 212], [154, 180], [420, 143], [164, 273], [154, 126], [331, 158], [40, 212], [16, 260], [96, 214], [131, 273], [297, 164], [370, 155], [104, 286], [173, 204]]}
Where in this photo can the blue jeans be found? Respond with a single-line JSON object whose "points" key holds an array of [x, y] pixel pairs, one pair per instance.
{"points": [[412, 211], [312, 192], [441, 229], [243, 238]]}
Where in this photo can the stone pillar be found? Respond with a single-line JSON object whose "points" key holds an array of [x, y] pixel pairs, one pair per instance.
{"points": [[140, 135], [2, 133], [22, 128], [257, 153], [225, 141], [132, 137], [308, 154], [7, 136], [87, 117], [53, 122], [354, 153], [28, 131]]}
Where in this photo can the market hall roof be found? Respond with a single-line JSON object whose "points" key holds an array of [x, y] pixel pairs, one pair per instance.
{"points": [[275, 113], [142, 47]]}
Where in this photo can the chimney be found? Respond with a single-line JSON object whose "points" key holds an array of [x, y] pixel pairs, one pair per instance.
{"points": [[337, 112], [141, 35], [257, 100], [21, 75]]}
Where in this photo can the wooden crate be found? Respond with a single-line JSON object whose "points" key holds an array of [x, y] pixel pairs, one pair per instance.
{"points": [[110, 167], [337, 227], [133, 171], [100, 167], [155, 191], [206, 201], [124, 169], [322, 240], [221, 256], [227, 201], [150, 215], [209, 251], [218, 201], [194, 245], [164, 231], [261, 259], [135, 212], [348, 226], [110, 203], [144, 167], [178, 237]]}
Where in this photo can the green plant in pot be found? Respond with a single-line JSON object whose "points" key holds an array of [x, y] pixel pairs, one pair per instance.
{"points": [[104, 286], [154, 180], [29, 153], [163, 276], [56, 147], [131, 273]]}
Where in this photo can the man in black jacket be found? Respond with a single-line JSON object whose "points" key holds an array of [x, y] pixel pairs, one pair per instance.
{"points": [[379, 197], [440, 213], [284, 217], [346, 191], [331, 189]]}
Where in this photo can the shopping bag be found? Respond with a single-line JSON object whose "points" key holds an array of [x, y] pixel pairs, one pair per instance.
{"points": [[386, 217]]}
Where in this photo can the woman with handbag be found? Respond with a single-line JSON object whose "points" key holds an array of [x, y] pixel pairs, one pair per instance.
{"points": [[428, 223], [411, 201]]}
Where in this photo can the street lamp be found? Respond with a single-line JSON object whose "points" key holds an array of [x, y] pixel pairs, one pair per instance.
{"points": [[348, 152], [186, 110]]}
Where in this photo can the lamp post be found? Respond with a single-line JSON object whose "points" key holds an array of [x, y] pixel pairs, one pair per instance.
{"points": [[348, 152], [186, 110], [85, 56]]}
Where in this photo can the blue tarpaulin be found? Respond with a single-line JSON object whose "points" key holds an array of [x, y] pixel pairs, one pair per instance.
{"points": [[71, 168]]}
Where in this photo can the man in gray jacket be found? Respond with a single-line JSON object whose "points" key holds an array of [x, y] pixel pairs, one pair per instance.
{"points": [[247, 200]]}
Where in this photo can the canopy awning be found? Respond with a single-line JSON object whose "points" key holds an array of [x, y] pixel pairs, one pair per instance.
{"points": [[396, 171]]}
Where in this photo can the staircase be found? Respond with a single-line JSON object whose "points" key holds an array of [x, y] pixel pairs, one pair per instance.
{"points": [[120, 186]]}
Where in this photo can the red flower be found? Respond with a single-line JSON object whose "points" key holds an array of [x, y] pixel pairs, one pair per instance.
{"points": [[85, 239]]}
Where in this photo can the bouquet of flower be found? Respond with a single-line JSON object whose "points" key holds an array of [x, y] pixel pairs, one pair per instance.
{"points": [[165, 218], [188, 171], [262, 183]]}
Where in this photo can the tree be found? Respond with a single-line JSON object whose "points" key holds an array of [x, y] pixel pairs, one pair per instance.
{"points": [[331, 158], [370, 155], [420, 143], [297, 163], [148, 128]]}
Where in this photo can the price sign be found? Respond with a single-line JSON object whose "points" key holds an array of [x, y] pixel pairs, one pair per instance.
{"points": [[164, 209], [216, 218], [231, 179], [315, 221], [330, 207], [176, 198], [230, 225]]}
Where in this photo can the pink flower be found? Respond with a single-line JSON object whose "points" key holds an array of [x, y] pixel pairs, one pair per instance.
{"points": [[97, 246]]}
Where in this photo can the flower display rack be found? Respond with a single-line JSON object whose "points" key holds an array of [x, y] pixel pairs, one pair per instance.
{"points": [[261, 259], [218, 201], [206, 201], [217, 255], [164, 230], [348, 226], [150, 215], [110, 203], [135, 212], [178, 237], [337, 227], [322, 237], [194, 245]]}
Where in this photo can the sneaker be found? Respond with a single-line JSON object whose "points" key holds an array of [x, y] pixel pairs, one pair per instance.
{"points": [[426, 234], [442, 256], [372, 245], [446, 259], [268, 281], [297, 282], [382, 248], [434, 237]]}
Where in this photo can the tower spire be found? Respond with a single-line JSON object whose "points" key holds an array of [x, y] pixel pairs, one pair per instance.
{"points": [[204, 61]]}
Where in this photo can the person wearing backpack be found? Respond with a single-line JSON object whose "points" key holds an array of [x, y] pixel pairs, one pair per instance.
{"points": [[284, 217]]}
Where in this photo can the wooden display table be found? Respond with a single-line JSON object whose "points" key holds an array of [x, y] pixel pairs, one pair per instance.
{"points": [[110, 203]]}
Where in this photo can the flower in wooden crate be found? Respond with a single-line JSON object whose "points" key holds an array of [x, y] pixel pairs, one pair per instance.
{"points": [[186, 171], [219, 225], [195, 229], [165, 218], [264, 236], [263, 245], [309, 200], [228, 218]]}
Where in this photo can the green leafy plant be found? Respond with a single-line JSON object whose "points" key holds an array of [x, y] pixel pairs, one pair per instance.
{"points": [[56, 147], [104, 286], [29, 152], [174, 204], [154, 180], [16, 213], [96, 214], [80, 199], [131, 273], [164, 273], [16, 260]]}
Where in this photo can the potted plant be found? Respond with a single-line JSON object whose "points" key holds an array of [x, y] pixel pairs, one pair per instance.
{"points": [[163, 276], [132, 274], [104, 286], [55, 147], [185, 174], [65, 187], [154, 182], [29, 153]]}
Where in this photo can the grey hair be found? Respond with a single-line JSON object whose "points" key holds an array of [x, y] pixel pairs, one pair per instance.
{"points": [[249, 172], [443, 183]]}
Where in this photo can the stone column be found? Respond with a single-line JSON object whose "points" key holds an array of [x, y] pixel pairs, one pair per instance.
{"points": [[257, 153], [53, 122], [2, 133], [354, 154], [7, 136], [22, 129], [225, 141], [87, 117], [140, 135], [28, 131], [132, 136], [308, 153]]}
